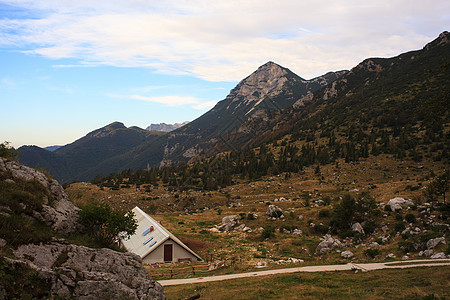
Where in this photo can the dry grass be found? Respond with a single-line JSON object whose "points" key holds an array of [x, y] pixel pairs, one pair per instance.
{"points": [[414, 283]]}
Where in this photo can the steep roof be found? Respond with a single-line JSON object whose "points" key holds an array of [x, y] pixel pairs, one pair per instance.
{"points": [[150, 235]]}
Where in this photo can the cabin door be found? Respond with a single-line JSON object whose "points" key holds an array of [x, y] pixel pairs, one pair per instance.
{"points": [[168, 253]]}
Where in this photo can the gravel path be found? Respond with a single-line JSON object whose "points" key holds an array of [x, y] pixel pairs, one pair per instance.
{"points": [[364, 267]]}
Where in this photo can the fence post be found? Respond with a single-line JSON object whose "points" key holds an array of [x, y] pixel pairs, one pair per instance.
{"points": [[193, 270], [171, 274]]}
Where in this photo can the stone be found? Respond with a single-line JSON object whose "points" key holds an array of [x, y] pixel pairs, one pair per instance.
{"points": [[358, 228], [347, 254], [261, 264], [398, 203], [385, 229], [228, 223], [374, 245], [274, 211], [390, 255], [327, 244], [300, 218], [405, 257], [432, 243], [85, 273], [297, 232], [214, 230], [440, 255], [2, 243]]}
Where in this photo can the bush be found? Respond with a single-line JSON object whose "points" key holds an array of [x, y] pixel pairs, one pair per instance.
{"points": [[324, 213], [105, 224], [372, 253], [400, 226], [410, 218], [387, 207], [268, 232]]}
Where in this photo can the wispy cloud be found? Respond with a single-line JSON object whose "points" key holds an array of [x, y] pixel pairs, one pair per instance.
{"points": [[170, 100], [223, 40]]}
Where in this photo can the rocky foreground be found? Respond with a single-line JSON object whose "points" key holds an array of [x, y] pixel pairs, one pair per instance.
{"points": [[70, 271]]}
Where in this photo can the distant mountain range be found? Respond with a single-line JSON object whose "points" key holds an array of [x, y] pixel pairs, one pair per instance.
{"points": [[165, 127], [269, 103]]}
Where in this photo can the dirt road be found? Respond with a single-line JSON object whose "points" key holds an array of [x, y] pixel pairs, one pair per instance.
{"points": [[364, 267]]}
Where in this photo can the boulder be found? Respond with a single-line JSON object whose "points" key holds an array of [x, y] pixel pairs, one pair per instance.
{"points": [[84, 273], [297, 232], [398, 203], [347, 254], [274, 211], [440, 255], [2, 243], [358, 228], [427, 253], [228, 223], [432, 243], [327, 244]]}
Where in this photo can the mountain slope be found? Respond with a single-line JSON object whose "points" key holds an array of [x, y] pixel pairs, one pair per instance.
{"points": [[75, 161]]}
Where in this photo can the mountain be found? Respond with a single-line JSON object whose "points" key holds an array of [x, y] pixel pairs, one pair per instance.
{"points": [[75, 161], [165, 127], [382, 104], [263, 94], [52, 148]]}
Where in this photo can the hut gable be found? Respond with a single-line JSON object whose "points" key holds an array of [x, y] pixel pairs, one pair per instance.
{"points": [[153, 243]]}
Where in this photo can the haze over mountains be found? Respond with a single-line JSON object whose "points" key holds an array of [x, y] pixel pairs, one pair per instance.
{"points": [[262, 107]]}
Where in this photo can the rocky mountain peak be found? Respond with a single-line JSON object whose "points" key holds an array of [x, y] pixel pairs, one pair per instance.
{"points": [[442, 39], [106, 130], [267, 79]]}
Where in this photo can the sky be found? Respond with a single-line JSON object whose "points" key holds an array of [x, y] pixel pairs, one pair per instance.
{"points": [[69, 67]]}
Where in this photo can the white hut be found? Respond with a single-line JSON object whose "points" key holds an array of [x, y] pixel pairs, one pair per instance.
{"points": [[154, 244]]}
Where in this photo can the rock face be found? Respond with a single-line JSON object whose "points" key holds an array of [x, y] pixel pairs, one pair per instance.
{"points": [[57, 212], [165, 127], [274, 211], [327, 244], [85, 273], [398, 203]]}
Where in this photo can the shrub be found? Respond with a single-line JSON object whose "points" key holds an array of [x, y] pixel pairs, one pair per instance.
{"points": [[387, 207], [400, 226], [324, 213], [105, 224], [268, 232], [410, 218], [372, 253]]}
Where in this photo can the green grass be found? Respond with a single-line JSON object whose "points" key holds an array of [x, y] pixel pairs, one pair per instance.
{"points": [[415, 283]]}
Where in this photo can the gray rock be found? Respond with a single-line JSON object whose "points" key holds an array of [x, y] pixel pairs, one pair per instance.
{"points": [[347, 254], [439, 255], [327, 244], [60, 214], [398, 203], [358, 228], [2, 243], [84, 273], [426, 253], [374, 245], [228, 223], [405, 257], [297, 232], [432, 243], [274, 211]]}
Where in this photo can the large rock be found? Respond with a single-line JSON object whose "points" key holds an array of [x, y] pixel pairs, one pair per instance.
{"points": [[440, 255], [228, 223], [84, 273], [59, 213], [327, 244], [398, 203], [347, 254], [274, 211], [432, 243], [358, 228]]}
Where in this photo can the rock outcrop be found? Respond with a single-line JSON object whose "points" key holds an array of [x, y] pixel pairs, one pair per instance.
{"points": [[274, 211], [228, 223], [57, 210], [85, 273], [398, 203], [327, 244]]}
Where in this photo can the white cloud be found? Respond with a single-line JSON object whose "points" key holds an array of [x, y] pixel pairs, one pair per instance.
{"points": [[170, 100], [224, 40]]}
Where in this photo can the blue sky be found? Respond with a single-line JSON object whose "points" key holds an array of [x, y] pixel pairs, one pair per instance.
{"points": [[69, 67]]}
